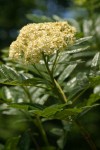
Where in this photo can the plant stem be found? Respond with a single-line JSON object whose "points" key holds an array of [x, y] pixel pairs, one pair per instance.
{"points": [[61, 93], [86, 135], [42, 131], [56, 85], [54, 63]]}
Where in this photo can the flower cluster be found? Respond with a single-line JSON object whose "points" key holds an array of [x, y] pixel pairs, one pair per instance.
{"points": [[35, 39]]}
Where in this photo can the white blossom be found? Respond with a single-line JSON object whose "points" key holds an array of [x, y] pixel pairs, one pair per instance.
{"points": [[35, 39]]}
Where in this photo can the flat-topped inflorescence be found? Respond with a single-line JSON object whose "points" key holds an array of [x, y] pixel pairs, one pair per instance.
{"points": [[35, 39]]}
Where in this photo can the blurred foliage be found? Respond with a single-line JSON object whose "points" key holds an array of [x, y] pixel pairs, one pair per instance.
{"points": [[31, 114]]}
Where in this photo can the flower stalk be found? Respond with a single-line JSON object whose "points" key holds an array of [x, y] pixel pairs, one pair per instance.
{"points": [[59, 92]]}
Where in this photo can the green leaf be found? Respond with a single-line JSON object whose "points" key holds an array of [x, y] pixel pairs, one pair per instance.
{"points": [[26, 106], [24, 143], [9, 76], [8, 73], [62, 61], [77, 50], [32, 81], [57, 112], [66, 72], [62, 141], [96, 60], [94, 81], [81, 40], [49, 112], [38, 19], [11, 143], [68, 114], [39, 70], [19, 106], [85, 109], [6, 94], [93, 98], [61, 112]]}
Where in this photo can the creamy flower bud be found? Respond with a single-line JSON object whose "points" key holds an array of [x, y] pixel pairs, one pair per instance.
{"points": [[35, 39]]}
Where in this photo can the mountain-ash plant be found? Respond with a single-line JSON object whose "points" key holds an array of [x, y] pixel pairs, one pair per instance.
{"points": [[44, 88]]}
